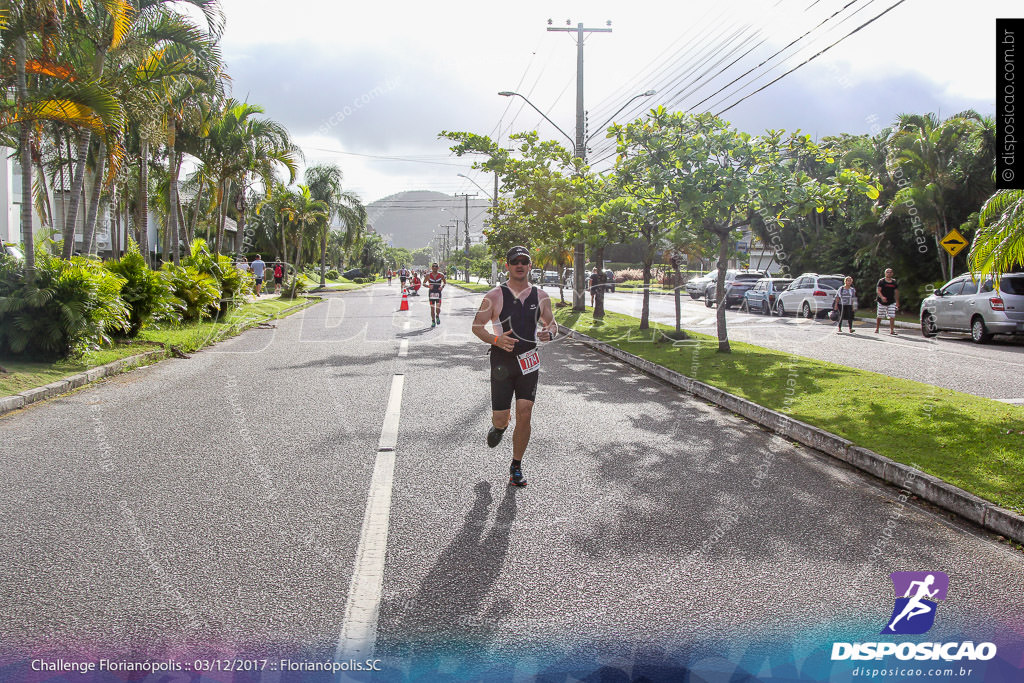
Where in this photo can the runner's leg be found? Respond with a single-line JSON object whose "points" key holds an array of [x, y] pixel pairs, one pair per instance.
{"points": [[521, 433]]}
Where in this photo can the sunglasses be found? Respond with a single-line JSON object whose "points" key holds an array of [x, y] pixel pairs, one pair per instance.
{"points": [[519, 262]]}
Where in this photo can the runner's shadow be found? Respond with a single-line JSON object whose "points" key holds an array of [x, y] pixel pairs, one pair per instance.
{"points": [[448, 608]]}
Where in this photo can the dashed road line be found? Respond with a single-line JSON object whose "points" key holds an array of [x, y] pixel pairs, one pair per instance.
{"points": [[359, 628]]}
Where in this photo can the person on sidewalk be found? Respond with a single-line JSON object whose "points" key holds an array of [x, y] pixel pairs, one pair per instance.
{"points": [[278, 276], [514, 308], [259, 267], [846, 298], [435, 281], [888, 292], [592, 281]]}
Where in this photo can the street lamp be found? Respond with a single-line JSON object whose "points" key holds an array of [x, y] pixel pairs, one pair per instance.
{"points": [[463, 175], [509, 93], [628, 102]]}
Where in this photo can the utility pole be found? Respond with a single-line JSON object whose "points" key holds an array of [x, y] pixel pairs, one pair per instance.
{"points": [[466, 249], [578, 294]]}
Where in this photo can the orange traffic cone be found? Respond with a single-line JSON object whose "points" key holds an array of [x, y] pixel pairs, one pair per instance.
{"points": [[405, 300]]}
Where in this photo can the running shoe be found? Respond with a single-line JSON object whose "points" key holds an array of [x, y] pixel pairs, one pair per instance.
{"points": [[516, 477], [494, 436]]}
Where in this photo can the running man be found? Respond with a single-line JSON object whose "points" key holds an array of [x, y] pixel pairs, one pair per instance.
{"points": [[514, 308], [435, 282], [914, 606], [403, 275]]}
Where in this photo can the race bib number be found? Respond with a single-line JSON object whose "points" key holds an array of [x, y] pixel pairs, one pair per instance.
{"points": [[435, 296], [529, 361]]}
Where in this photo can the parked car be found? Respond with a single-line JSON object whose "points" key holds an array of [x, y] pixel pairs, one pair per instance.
{"points": [[550, 278], [811, 295], [733, 278], [535, 275], [761, 297], [981, 306], [353, 273], [695, 287]]}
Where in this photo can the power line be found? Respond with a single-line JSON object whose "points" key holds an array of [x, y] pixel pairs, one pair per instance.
{"points": [[815, 56], [773, 56]]}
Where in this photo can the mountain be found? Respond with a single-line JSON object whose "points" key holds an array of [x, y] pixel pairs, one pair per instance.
{"points": [[411, 219]]}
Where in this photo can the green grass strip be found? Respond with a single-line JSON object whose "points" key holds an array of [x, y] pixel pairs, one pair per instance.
{"points": [[974, 443], [481, 287], [26, 375]]}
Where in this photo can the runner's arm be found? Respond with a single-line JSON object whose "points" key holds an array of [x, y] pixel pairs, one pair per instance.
{"points": [[483, 316], [547, 317]]}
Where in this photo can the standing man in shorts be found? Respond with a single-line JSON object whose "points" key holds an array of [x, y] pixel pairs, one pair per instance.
{"points": [[514, 309], [435, 282], [888, 292], [259, 268], [403, 275]]}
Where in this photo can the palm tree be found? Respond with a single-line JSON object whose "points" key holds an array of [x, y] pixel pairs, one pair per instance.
{"points": [[305, 217], [324, 183], [933, 156], [998, 245], [241, 148], [56, 95], [145, 34]]}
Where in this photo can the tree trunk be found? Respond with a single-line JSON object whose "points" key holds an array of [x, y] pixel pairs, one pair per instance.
{"points": [[115, 228], [142, 223], [25, 140], [579, 298], [181, 220], [599, 294], [44, 188], [645, 309], [675, 294], [222, 214], [191, 230], [94, 201], [77, 191], [173, 232], [323, 256], [723, 253]]}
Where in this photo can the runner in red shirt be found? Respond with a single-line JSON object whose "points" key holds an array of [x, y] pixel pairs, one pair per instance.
{"points": [[435, 282]]}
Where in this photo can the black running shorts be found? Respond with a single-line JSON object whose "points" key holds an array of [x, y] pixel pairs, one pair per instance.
{"points": [[506, 381]]}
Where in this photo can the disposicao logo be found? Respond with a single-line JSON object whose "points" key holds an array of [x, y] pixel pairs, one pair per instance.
{"points": [[917, 597]]}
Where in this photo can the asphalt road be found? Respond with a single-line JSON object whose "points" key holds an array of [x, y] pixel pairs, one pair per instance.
{"points": [[993, 370], [215, 506]]}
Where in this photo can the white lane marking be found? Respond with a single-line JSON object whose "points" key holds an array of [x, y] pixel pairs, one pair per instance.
{"points": [[403, 348], [359, 628]]}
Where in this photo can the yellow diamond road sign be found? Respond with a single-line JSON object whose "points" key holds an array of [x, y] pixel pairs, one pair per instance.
{"points": [[953, 242]]}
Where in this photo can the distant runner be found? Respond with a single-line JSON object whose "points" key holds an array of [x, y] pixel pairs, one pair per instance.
{"points": [[403, 275], [515, 307], [435, 282]]}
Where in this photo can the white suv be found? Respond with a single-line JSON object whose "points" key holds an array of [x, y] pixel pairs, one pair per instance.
{"points": [[810, 295]]}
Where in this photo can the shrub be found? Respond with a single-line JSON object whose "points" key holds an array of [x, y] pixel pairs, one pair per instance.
{"points": [[68, 308], [333, 274], [629, 274], [230, 281], [198, 293], [147, 293]]}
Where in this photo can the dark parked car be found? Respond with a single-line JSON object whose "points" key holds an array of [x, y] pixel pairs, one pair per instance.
{"points": [[738, 281], [761, 297], [352, 274]]}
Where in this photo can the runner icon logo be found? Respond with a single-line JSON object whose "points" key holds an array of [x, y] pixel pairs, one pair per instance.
{"points": [[917, 596]]}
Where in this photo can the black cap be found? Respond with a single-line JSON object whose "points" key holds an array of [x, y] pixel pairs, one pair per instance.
{"points": [[517, 251]]}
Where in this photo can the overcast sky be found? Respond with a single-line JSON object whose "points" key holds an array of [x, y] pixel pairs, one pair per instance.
{"points": [[355, 82]]}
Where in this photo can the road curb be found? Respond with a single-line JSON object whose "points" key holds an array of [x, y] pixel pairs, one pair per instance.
{"points": [[925, 486], [63, 386]]}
